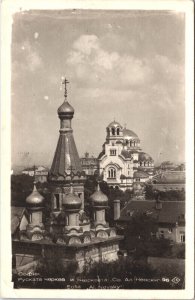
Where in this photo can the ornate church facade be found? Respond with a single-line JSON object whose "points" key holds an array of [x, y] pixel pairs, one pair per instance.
{"points": [[122, 162], [67, 231]]}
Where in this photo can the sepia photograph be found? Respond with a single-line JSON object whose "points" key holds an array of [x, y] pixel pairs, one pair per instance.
{"points": [[98, 155]]}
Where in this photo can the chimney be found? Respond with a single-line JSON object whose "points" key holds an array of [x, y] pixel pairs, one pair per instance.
{"points": [[117, 209]]}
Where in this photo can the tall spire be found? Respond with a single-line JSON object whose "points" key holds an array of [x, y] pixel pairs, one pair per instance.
{"points": [[66, 160]]}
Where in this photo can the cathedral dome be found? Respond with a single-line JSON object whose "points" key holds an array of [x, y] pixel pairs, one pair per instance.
{"points": [[35, 198], [129, 134], [114, 124], [99, 198], [65, 109], [144, 157], [71, 200]]}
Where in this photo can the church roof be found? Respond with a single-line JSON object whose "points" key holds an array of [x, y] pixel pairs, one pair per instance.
{"points": [[71, 200], [98, 197], [170, 177], [66, 159], [126, 153], [127, 133], [101, 154], [35, 198], [171, 212], [115, 124], [140, 174], [144, 157], [65, 108]]}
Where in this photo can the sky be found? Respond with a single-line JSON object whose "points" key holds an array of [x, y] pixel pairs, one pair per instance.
{"points": [[122, 65]]}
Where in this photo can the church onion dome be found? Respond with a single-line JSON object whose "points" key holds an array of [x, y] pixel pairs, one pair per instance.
{"points": [[144, 157], [71, 200], [66, 109], [114, 124], [35, 198], [140, 174], [129, 134], [98, 198]]}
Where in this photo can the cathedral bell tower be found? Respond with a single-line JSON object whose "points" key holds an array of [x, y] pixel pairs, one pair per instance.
{"points": [[66, 166]]}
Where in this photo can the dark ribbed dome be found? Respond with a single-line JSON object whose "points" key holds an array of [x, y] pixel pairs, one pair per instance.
{"points": [[144, 157], [99, 198], [65, 109], [34, 198], [71, 200], [129, 134]]}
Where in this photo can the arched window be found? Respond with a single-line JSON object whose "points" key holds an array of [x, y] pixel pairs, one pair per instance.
{"points": [[111, 173], [113, 131], [57, 202], [117, 131]]}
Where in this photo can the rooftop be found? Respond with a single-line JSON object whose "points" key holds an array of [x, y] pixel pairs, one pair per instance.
{"points": [[171, 212]]}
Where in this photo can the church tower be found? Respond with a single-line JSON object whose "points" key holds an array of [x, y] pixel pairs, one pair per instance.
{"points": [[66, 167]]}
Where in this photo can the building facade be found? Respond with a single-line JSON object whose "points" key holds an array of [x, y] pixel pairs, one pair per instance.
{"points": [[169, 216], [40, 173], [168, 181], [89, 164], [122, 162]]}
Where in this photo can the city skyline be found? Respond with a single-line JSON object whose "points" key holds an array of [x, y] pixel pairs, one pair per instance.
{"points": [[125, 66]]}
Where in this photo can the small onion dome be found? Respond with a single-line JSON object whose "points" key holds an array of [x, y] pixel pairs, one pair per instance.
{"points": [[71, 200], [114, 124], [34, 198], [98, 198], [66, 110], [129, 134]]}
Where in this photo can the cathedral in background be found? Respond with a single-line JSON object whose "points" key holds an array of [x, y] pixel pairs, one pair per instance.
{"points": [[122, 162]]}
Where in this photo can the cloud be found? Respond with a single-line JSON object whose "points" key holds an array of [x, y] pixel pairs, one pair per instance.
{"points": [[31, 57], [88, 61], [90, 64], [26, 58]]}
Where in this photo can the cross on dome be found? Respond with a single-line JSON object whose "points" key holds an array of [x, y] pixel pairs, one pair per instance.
{"points": [[65, 82]]}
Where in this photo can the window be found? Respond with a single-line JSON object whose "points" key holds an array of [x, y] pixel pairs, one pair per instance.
{"points": [[57, 201], [182, 236], [170, 230], [111, 173], [117, 131], [113, 131], [162, 234], [113, 152], [137, 179]]}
